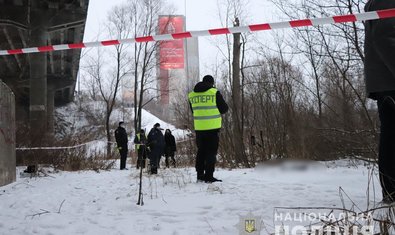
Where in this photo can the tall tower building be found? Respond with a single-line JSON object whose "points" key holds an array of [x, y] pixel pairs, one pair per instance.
{"points": [[178, 65]]}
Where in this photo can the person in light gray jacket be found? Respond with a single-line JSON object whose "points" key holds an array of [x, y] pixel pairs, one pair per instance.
{"points": [[380, 86]]}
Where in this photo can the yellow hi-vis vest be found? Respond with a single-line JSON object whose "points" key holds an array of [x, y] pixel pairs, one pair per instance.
{"points": [[206, 115], [137, 146]]}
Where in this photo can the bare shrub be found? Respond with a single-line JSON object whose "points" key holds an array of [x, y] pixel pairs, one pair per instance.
{"points": [[186, 153], [68, 159], [78, 159]]}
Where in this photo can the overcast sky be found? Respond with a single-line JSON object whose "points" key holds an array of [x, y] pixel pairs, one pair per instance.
{"points": [[200, 15]]}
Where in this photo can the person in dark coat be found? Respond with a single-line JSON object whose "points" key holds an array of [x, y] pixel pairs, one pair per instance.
{"points": [[380, 86], [207, 105], [122, 143], [170, 148], [140, 141], [156, 143]]}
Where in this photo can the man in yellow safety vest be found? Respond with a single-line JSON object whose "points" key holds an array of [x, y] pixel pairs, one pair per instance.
{"points": [[207, 105], [140, 141]]}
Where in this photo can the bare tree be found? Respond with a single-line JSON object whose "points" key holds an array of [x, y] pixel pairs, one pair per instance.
{"points": [[110, 66], [272, 101], [231, 77], [237, 112], [143, 16], [333, 57]]}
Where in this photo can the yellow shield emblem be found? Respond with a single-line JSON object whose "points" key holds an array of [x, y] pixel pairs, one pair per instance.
{"points": [[250, 226]]}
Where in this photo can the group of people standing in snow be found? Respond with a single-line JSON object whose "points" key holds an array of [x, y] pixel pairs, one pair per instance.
{"points": [[152, 147], [207, 105]]}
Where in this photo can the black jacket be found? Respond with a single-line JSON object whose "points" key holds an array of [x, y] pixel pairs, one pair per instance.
{"points": [[121, 137], [156, 141], [170, 142], [380, 51], [221, 104]]}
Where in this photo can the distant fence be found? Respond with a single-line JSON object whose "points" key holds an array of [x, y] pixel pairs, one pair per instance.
{"points": [[7, 135]]}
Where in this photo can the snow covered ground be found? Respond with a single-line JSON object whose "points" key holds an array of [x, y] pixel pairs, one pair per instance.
{"points": [[105, 203]]}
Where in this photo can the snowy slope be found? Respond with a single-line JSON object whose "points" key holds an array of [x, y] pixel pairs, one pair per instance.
{"points": [[70, 120], [105, 202], [70, 115], [149, 120]]}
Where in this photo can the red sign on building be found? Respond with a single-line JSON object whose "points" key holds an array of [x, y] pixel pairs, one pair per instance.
{"points": [[171, 53]]}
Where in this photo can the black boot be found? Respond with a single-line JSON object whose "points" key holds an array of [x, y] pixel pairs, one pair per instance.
{"points": [[209, 178], [212, 180], [201, 177], [154, 170]]}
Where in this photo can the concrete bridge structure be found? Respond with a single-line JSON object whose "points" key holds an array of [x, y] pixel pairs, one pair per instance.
{"points": [[41, 81]]}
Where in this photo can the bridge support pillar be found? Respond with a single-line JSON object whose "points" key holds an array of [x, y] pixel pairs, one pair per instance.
{"points": [[38, 86], [50, 113]]}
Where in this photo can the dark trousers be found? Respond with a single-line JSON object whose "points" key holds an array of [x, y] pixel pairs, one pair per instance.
{"points": [[124, 153], [386, 107], [154, 160], [141, 156], [170, 154], [206, 157]]}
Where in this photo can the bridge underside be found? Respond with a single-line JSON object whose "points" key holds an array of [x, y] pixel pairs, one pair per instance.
{"points": [[41, 81]]}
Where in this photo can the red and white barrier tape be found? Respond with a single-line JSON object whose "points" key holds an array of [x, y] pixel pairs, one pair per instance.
{"points": [[59, 148], [73, 147], [373, 15], [51, 148]]}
